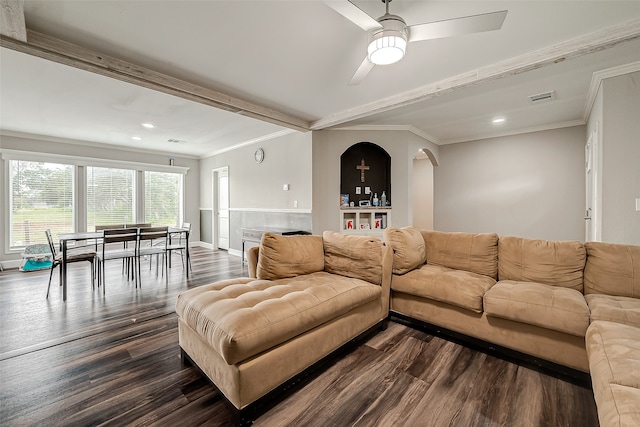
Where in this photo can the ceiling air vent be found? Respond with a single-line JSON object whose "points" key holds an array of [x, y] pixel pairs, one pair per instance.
{"points": [[542, 97], [177, 141]]}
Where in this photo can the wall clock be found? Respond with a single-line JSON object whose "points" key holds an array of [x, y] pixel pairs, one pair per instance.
{"points": [[258, 156]]}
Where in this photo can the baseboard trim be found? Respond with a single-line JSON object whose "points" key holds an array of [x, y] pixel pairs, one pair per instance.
{"points": [[546, 367], [203, 245], [234, 252]]}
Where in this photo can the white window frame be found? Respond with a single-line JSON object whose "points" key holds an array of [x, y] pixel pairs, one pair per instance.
{"points": [[80, 183]]}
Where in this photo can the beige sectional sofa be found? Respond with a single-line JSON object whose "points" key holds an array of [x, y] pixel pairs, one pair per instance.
{"points": [[311, 295], [573, 304]]}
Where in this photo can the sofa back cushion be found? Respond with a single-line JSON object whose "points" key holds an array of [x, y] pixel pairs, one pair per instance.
{"points": [[612, 269], [288, 256], [408, 248], [359, 257], [555, 263], [474, 252]]}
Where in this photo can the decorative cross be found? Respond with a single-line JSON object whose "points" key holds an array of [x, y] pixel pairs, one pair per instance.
{"points": [[362, 168]]}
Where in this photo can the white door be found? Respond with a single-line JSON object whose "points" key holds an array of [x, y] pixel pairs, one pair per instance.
{"points": [[221, 208]]}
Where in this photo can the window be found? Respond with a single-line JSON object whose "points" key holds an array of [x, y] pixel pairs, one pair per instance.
{"points": [[41, 197], [163, 198], [110, 196]]}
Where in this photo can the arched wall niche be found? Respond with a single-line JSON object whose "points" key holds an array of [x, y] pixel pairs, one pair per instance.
{"points": [[376, 172]]}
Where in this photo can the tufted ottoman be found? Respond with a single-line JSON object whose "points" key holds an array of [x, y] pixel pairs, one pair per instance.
{"points": [[251, 335]]}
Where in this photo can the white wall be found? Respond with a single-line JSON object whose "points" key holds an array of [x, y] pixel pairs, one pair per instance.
{"points": [[529, 185], [621, 159], [100, 151], [328, 146]]}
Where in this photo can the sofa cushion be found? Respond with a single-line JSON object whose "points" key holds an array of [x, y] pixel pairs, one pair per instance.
{"points": [[551, 307], [408, 248], [550, 262], [613, 350], [614, 309], [353, 256], [474, 252], [289, 256], [457, 287], [620, 408], [242, 317], [612, 269]]}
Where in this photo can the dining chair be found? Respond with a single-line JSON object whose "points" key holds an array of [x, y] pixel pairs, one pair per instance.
{"points": [[118, 235], [181, 245], [99, 241], [138, 225], [73, 255], [157, 238]]}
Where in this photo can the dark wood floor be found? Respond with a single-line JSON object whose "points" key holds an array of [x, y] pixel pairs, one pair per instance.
{"points": [[114, 359]]}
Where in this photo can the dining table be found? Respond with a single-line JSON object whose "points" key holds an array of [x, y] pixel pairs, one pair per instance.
{"points": [[65, 238]]}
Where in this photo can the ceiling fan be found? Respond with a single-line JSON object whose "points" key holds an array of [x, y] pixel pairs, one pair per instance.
{"points": [[389, 34]]}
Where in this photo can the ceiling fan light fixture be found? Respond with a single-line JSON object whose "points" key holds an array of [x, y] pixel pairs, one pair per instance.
{"points": [[389, 44], [386, 50]]}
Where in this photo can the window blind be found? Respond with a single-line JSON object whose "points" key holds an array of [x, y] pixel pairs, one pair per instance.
{"points": [[110, 196], [40, 197], [163, 198]]}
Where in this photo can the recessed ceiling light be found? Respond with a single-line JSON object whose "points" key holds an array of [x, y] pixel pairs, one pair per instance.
{"points": [[499, 120], [137, 138], [148, 125]]}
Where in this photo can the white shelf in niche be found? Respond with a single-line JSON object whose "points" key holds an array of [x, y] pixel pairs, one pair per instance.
{"points": [[365, 221]]}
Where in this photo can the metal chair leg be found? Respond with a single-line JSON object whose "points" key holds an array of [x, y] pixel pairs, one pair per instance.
{"points": [[50, 276]]}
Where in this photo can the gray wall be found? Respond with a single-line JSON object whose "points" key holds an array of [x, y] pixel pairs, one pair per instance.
{"points": [[621, 159], [98, 151], [256, 196], [287, 160], [206, 232], [529, 185]]}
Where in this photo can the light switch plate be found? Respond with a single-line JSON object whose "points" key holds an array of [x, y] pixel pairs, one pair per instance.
{"points": [[358, 190], [367, 190], [285, 187], [637, 205]]}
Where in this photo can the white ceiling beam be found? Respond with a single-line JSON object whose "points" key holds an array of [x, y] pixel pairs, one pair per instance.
{"points": [[12, 19], [573, 48], [60, 51]]}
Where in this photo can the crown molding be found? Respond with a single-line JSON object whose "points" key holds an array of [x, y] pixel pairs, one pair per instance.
{"points": [[250, 142], [541, 128], [9, 154], [597, 78], [48, 138], [409, 128]]}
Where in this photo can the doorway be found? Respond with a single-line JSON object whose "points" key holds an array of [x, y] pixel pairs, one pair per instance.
{"points": [[422, 208], [220, 215]]}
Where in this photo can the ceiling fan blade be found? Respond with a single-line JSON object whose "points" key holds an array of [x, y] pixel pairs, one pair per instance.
{"points": [[354, 14], [361, 72], [457, 26]]}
